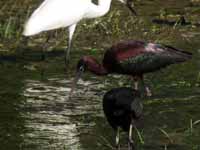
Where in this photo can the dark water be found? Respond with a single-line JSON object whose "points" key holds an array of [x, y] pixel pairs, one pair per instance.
{"points": [[37, 114]]}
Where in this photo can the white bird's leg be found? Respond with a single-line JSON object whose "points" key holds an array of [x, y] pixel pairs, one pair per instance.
{"points": [[67, 52], [23, 44], [117, 139], [45, 46], [130, 140]]}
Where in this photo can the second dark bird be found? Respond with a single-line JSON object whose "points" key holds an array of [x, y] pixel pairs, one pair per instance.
{"points": [[133, 58], [122, 108]]}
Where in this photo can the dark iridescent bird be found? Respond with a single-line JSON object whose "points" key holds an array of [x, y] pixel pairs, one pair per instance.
{"points": [[122, 108], [133, 58]]}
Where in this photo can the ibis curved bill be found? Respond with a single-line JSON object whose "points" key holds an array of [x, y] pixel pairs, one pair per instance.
{"points": [[77, 77]]}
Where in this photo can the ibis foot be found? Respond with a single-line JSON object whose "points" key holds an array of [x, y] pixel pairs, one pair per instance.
{"points": [[117, 139], [131, 146]]}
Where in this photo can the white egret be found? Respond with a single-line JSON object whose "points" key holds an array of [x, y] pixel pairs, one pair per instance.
{"points": [[54, 14]]}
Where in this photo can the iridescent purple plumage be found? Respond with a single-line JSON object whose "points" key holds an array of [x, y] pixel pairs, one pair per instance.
{"points": [[134, 58]]}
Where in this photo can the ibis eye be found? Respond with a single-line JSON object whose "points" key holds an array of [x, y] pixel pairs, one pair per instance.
{"points": [[81, 69]]}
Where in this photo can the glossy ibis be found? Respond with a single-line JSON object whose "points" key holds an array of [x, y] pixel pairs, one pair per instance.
{"points": [[133, 58], [122, 107], [54, 14]]}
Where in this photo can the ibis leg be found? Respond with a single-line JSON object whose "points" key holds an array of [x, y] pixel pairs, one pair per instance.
{"points": [[135, 78], [117, 139], [67, 51], [148, 91], [146, 87], [130, 140]]}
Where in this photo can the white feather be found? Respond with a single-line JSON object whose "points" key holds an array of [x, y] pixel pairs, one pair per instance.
{"points": [[53, 14]]}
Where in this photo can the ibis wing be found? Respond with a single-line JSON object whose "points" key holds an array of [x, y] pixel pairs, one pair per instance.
{"points": [[121, 52], [153, 57], [137, 57]]}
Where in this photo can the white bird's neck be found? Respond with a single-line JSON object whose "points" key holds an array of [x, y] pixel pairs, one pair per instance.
{"points": [[98, 10]]}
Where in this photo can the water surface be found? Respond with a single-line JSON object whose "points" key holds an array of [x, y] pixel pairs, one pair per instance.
{"points": [[37, 113]]}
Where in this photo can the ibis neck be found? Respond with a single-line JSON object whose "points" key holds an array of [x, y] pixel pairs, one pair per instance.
{"points": [[96, 68], [98, 10]]}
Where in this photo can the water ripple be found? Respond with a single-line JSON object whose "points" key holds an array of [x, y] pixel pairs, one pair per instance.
{"points": [[52, 119]]}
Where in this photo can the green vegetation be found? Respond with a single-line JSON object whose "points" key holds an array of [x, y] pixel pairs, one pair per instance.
{"points": [[34, 107]]}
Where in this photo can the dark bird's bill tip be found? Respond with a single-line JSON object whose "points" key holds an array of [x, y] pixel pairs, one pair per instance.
{"points": [[79, 72]]}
